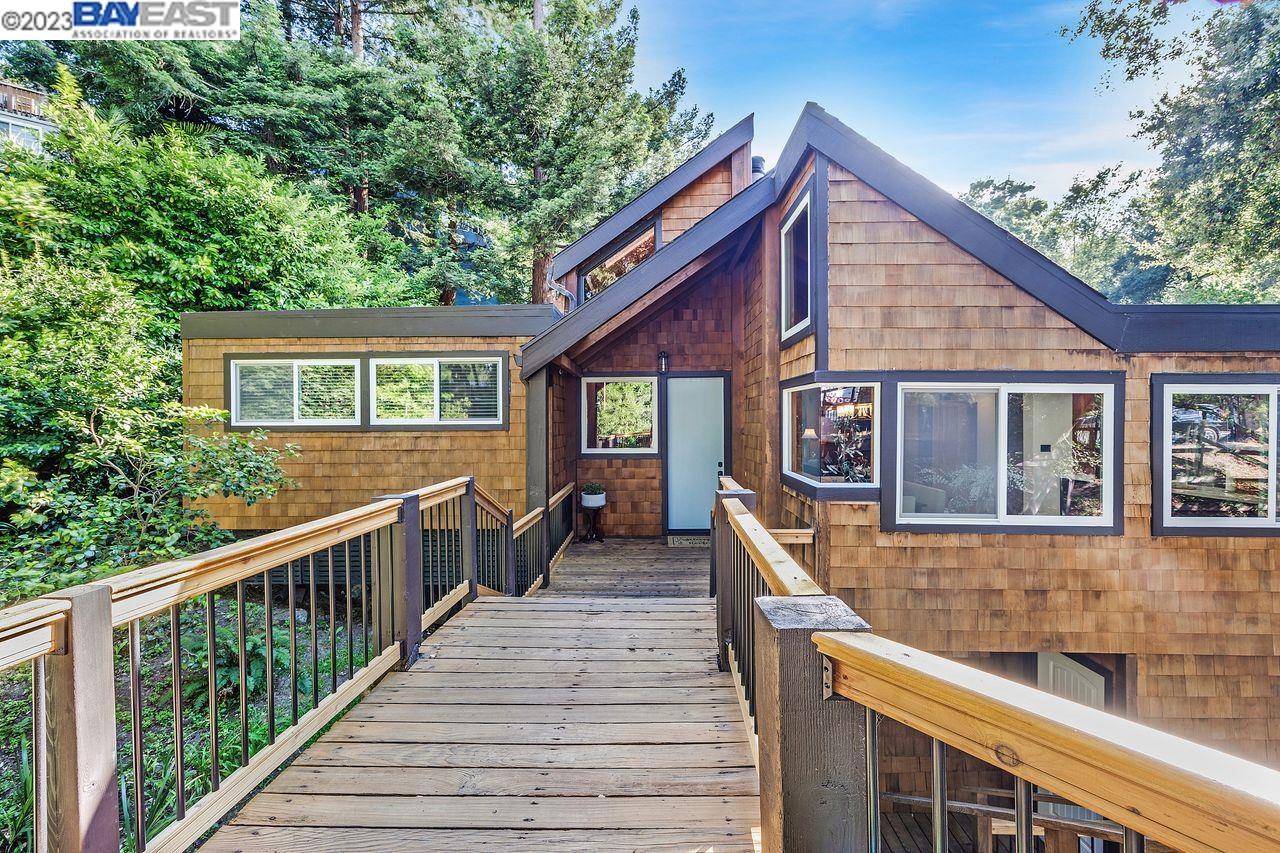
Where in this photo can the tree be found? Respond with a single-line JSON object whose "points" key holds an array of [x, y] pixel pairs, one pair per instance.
{"points": [[190, 229], [1212, 206]]}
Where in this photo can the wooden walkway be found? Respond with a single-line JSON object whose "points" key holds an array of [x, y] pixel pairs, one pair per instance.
{"points": [[555, 722], [643, 568]]}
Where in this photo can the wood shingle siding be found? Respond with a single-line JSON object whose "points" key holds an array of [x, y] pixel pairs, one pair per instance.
{"points": [[336, 471], [694, 202]]}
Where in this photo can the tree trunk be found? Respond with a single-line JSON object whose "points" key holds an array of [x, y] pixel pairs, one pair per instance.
{"points": [[286, 15], [357, 31], [449, 296], [539, 292], [360, 196], [339, 20]]}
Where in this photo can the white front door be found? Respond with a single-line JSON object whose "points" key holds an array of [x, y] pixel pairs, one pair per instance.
{"points": [[695, 449], [1070, 679]]}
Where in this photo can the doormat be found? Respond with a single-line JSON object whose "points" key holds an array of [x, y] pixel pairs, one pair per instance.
{"points": [[688, 541]]}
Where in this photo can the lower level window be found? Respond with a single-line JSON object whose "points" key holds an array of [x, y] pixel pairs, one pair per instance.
{"points": [[619, 415], [831, 433], [1012, 454], [1219, 445], [280, 392]]}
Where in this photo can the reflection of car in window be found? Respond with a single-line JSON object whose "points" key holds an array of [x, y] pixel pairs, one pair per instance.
{"points": [[1215, 427]]}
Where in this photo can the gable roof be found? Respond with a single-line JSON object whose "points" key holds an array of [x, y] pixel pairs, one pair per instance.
{"points": [[654, 197], [1123, 328]]}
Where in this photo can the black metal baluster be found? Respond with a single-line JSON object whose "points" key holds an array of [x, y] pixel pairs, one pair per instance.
{"points": [[938, 755], [241, 630], [269, 623], [175, 675], [135, 727], [333, 628], [346, 567], [366, 606], [293, 642], [1134, 841], [313, 616], [872, 737], [1024, 836], [211, 650]]}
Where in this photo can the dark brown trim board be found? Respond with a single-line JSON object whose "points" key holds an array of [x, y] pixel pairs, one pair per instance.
{"points": [[1159, 496], [651, 199], [454, 321]]}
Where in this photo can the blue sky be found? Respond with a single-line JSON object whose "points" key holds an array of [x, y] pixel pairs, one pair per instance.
{"points": [[956, 90]]}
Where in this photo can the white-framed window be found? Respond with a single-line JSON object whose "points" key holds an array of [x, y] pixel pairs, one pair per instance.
{"points": [[431, 390], [831, 433], [1219, 447], [281, 392], [797, 268], [1004, 453], [619, 414]]}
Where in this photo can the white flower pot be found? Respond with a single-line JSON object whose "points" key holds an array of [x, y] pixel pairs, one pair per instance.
{"points": [[593, 501]]}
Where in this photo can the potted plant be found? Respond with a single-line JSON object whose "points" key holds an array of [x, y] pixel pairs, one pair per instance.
{"points": [[593, 496]]}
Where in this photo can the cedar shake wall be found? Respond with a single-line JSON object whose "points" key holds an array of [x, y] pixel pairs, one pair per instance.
{"points": [[696, 331], [692, 204], [339, 470], [1199, 615]]}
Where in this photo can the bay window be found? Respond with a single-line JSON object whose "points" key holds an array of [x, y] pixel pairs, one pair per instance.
{"points": [[1010, 454], [830, 434], [1219, 455]]}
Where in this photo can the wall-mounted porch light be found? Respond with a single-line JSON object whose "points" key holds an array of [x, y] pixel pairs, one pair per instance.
{"points": [[662, 361]]}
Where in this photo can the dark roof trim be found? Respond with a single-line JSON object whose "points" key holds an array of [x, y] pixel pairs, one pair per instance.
{"points": [[663, 264], [442, 321], [654, 197], [1200, 328]]}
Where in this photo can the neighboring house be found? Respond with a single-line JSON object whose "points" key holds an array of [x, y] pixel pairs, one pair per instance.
{"points": [[999, 464], [21, 118]]}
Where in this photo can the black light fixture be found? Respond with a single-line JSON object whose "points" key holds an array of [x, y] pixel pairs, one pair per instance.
{"points": [[662, 362]]}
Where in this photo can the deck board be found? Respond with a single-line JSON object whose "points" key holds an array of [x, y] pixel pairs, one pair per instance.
{"points": [[562, 721]]}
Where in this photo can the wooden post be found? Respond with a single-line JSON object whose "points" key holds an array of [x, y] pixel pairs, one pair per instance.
{"points": [[470, 540], [402, 561], [80, 736], [722, 561], [545, 528], [813, 788], [509, 582]]}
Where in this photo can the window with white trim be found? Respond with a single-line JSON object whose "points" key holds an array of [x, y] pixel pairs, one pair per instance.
{"points": [[1012, 454], [830, 433], [797, 272], [1219, 446], [619, 414], [413, 390], [278, 392]]}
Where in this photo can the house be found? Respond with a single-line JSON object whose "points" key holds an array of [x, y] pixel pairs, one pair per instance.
{"points": [[22, 117], [1000, 465]]}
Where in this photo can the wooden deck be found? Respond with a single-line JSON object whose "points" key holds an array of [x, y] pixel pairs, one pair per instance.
{"points": [[644, 568], [552, 722]]}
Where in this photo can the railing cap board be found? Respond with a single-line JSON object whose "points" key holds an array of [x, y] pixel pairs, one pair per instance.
{"points": [[32, 629], [489, 502], [729, 484], [150, 590], [440, 492], [529, 520], [561, 495], [782, 573], [1181, 793]]}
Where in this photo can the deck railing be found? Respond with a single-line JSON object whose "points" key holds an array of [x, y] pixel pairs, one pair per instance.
{"points": [[162, 696], [1064, 773]]}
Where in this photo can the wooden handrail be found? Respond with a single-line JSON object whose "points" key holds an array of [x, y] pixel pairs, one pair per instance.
{"points": [[32, 630], [529, 520], [782, 573], [1183, 794], [560, 495], [728, 484], [793, 536], [440, 492], [489, 503], [145, 591]]}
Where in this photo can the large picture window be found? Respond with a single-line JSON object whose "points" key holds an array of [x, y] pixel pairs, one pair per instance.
{"points": [[796, 268], [1219, 451], [281, 392], [830, 434], [619, 415], [1009, 454], [436, 390]]}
